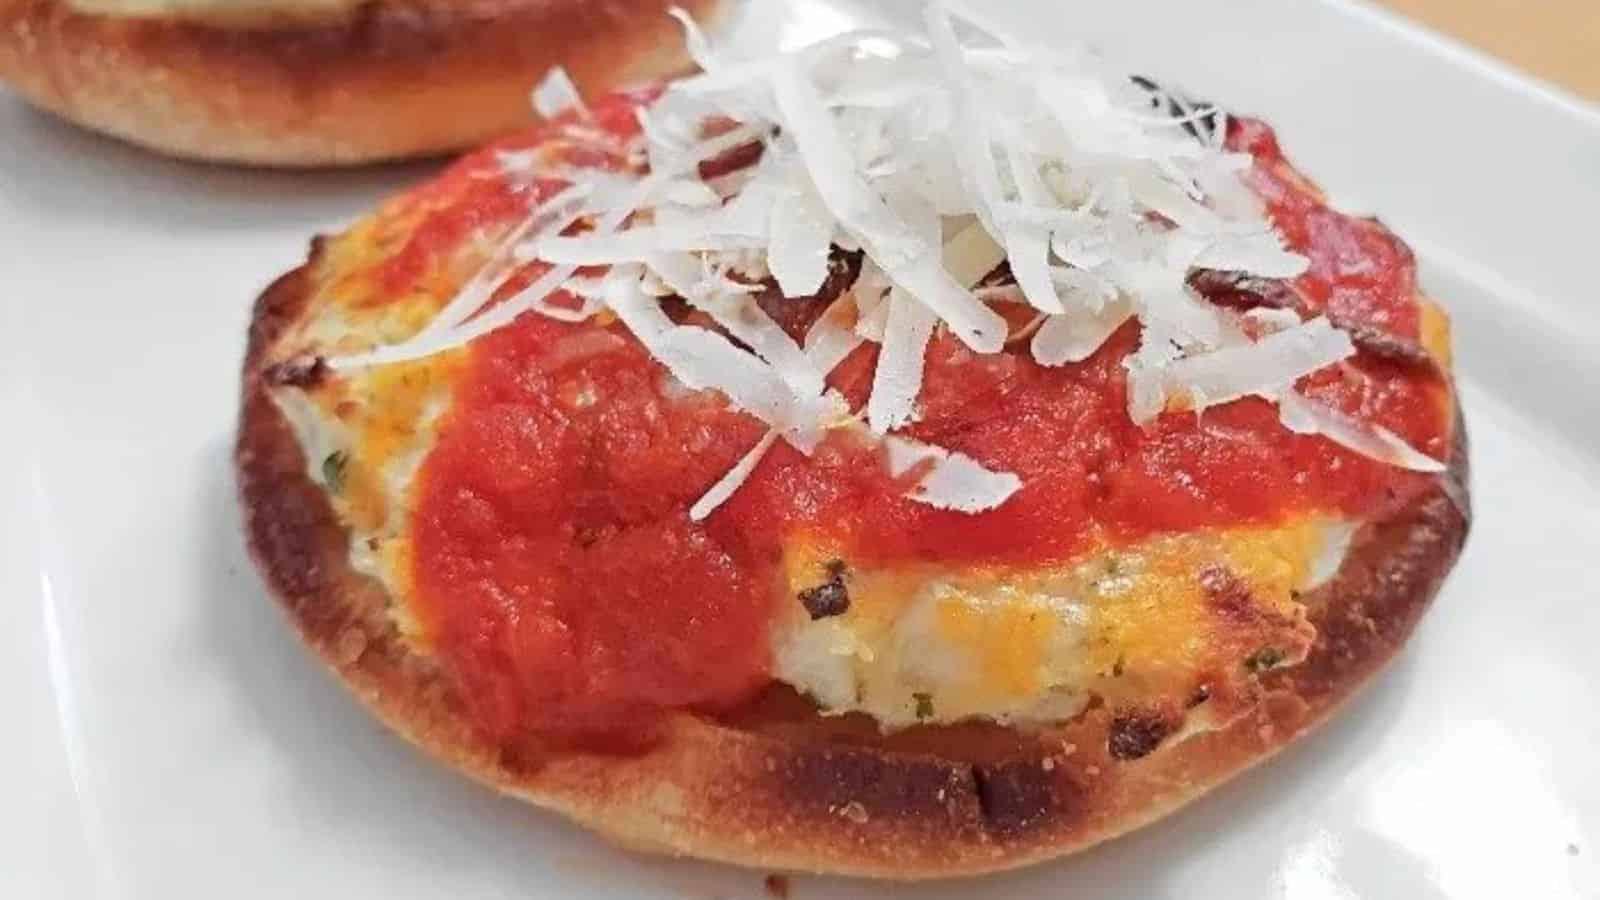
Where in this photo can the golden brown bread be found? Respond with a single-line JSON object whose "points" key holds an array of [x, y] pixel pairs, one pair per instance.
{"points": [[344, 84], [774, 785]]}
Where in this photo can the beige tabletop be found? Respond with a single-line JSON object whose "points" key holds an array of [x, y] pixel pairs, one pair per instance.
{"points": [[1556, 40]]}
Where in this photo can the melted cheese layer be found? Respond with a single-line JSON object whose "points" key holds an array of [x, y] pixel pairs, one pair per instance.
{"points": [[924, 644], [364, 438]]}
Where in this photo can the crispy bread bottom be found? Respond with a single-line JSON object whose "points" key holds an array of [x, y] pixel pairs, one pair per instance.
{"points": [[384, 80], [778, 786]]}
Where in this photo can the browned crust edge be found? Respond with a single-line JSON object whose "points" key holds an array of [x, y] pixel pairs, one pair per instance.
{"points": [[392, 79], [715, 792]]}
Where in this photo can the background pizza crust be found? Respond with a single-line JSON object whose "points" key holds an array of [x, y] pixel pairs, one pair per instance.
{"points": [[288, 84]]}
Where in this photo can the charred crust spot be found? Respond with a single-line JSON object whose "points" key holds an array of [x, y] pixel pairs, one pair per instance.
{"points": [[1134, 734], [999, 276], [831, 598], [1264, 659], [1201, 127], [1239, 290], [279, 304], [1016, 795], [841, 781], [732, 160], [796, 315], [844, 267], [678, 309], [1386, 346], [301, 372]]}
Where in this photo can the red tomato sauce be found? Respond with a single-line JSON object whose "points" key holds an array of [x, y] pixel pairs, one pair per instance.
{"points": [[472, 193], [1361, 272], [566, 589]]}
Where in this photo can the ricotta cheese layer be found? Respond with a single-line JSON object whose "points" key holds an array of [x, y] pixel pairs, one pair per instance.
{"points": [[934, 644]]}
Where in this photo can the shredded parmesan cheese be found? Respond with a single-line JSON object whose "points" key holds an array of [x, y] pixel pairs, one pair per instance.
{"points": [[941, 159], [953, 480], [1304, 416], [899, 374], [727, 484], [556, 94]]}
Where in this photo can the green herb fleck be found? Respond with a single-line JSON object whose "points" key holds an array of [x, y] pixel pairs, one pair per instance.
{"points": [[333, 466], [1264, 659], [924, 705]]}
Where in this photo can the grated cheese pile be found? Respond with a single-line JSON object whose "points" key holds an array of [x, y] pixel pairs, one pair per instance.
{"points": [[940, 157]]}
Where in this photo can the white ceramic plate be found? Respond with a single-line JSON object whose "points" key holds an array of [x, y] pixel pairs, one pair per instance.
{"points": [[165, 737]]}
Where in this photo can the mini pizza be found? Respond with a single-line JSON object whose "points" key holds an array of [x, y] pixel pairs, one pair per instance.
{"points": [[905, 456], [322, 82]]}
